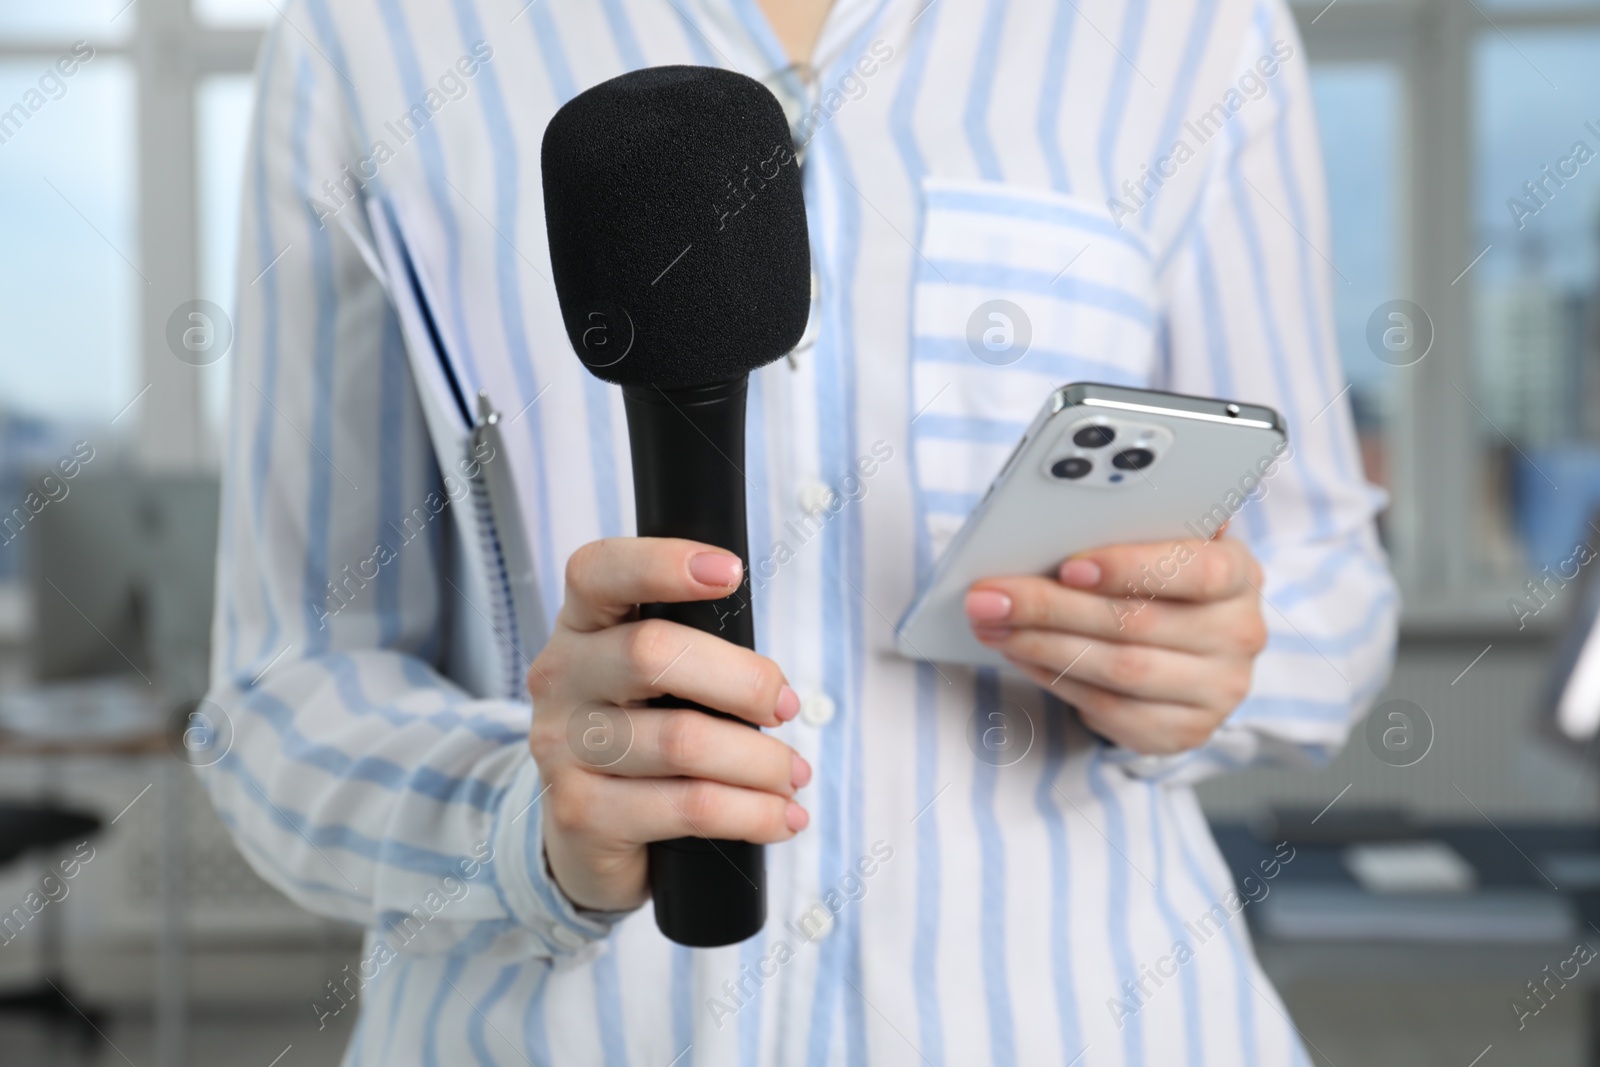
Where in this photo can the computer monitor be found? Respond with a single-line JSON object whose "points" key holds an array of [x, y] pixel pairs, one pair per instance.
{"points": [[122, 579]]}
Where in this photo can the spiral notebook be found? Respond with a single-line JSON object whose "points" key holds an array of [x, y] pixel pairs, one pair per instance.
{"points": [[497, 626]]}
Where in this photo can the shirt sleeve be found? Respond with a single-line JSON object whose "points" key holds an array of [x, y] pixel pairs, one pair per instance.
{"points": [[1249, 312], [354, 777]]}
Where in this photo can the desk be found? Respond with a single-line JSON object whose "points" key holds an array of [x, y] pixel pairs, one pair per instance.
{"points": [[1511, 861], [154, 746]]}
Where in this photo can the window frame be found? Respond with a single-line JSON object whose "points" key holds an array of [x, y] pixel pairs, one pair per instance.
{"points": [[170, 53], [1436, 546]]}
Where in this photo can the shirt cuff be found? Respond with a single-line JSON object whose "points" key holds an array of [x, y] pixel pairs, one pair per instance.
{"points": [[1230, 748], [527, 888], [1135, 765], [1235, 745]]}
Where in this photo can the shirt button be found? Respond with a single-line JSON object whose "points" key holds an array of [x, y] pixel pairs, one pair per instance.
{"points": [[816, 496], [822, 923], [817, 709]]}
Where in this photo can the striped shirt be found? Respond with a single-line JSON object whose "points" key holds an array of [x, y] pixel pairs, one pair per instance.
{"points": [[1144, 181]]}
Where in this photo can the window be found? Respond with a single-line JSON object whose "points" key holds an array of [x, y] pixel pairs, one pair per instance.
{"points": [[1536, 209], [68, 179], [1435, 115], [100, 21], [121, 147], [236, 12], [222, 126], [92, 162], [1359, 105]]}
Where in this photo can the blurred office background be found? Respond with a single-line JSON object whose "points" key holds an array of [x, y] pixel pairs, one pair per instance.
{"points": [[121, 198]]}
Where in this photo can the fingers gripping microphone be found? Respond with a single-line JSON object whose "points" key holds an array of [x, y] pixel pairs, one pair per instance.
{"points": [[678, 241]]}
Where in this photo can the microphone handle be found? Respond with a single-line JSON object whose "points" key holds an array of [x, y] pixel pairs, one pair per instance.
{"points": [[688, 481]]}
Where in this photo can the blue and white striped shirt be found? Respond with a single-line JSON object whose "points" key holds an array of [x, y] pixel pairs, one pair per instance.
{"points": [[1143, 180]]}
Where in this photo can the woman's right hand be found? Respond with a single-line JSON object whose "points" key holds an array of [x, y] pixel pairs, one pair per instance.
{"points": [[618, 775]]}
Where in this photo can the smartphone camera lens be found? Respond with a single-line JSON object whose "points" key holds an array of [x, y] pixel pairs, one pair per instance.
{"points": [[1094, 437], [1071, 468], [1133, 459]]}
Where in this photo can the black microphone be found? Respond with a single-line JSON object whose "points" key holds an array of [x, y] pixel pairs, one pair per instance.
{"points": [[672, 198]]}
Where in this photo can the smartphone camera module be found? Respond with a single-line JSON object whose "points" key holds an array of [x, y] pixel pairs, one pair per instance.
{"points": [[1071, 468], [1080, 453]]}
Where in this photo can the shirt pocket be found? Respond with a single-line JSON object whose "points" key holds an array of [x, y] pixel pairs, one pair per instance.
{"points": [[1016, 291]]}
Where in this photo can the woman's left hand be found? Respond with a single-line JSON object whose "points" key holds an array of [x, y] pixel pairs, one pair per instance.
{"points": [[1153, 644]]}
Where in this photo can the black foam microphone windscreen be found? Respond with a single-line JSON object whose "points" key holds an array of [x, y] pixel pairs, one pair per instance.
{"points": [[682, 263], [672, 198]]}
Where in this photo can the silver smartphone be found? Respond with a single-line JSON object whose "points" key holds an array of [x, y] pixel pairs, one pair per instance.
{"points": [[1100, 465]]}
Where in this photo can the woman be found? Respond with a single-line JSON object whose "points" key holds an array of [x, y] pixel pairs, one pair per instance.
{"points": [[1143, 185]]}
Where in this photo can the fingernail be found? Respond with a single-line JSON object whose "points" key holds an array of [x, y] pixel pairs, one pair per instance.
{"points": [[989, 633], [1083, 573], [788, 704], [796, 817], [715, 568], [801, 773], [987, 605]]}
